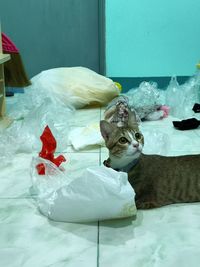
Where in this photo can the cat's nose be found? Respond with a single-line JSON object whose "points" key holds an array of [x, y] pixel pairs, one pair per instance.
{"points": [[136, 145]]}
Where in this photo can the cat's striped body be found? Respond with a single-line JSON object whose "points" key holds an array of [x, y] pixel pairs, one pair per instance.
{"points": [[157, 180]]}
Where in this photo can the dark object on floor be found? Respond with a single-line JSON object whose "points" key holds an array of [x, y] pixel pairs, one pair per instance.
{"points": [[9, 94], [14, 71], [196, 108], [188, 124]]}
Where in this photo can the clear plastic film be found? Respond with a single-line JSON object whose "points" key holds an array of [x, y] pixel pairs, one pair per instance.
{"points": [[156, 142], [23, 136]]}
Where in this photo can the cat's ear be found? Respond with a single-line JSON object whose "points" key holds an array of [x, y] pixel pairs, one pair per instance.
{"points": [[106, 129], [132, 119]]}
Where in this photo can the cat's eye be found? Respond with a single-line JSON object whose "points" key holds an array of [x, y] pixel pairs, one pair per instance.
{"points": [[138, 136], [123, 140]]}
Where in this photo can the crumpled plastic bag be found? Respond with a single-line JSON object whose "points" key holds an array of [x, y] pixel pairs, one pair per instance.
{"points": [[147, 94], [99, 193], [181, 98], [76, 86], [146, 100]]}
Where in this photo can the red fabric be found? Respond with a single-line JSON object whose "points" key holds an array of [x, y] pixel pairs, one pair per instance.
{"points": [[7, 45], [48, 150]]}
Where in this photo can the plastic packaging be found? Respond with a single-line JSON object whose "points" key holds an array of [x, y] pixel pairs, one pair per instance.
{"points": [[99, 193], [76, 86], [146, 100], [23, 136], [181, 98], [48, 149]]}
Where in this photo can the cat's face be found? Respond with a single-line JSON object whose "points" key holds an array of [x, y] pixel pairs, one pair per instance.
{"points": [[124, 144]]}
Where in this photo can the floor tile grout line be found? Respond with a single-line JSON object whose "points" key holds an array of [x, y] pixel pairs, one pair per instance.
{"points": [[9, 198], [98, 235], [98, 230], [197, 134]]}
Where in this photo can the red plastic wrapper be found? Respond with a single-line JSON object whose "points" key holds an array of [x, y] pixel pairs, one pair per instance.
{"points": [[48, 149]]}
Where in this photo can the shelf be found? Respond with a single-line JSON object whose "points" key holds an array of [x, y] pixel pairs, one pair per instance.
{"points": [[4, 58]]}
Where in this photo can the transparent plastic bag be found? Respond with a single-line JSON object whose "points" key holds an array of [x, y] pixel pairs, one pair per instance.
{"points": [[181, 98], [99, 193], [23, 136], [147, 94], [57, 117], [145, 99]]}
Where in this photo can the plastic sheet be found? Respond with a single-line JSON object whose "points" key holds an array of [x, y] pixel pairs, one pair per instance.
{"points": [[99, 193], [156, 142]]}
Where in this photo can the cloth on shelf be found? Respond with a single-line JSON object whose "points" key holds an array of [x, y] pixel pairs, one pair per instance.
{"points": [[188, 124], [14, 70]]}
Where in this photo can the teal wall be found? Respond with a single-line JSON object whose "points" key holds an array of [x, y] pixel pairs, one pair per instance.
{"points": [[148, 38]]}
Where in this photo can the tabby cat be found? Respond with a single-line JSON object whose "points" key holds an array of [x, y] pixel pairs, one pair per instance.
{"points": [[157, 180]]}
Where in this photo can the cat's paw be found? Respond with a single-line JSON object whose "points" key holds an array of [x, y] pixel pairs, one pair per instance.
{"points": [[146, 205], [107, 163]]}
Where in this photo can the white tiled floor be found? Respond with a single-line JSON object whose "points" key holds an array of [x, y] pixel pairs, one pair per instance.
{"points": [[163, 237]]}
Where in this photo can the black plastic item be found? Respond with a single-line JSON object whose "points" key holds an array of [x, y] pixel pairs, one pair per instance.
{"points": [[9, 94], [188, 124], [196, 108]]}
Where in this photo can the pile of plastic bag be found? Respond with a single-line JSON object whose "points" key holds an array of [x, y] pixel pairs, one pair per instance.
{"points": [[147, 98], [50, 100], [30, 118]]}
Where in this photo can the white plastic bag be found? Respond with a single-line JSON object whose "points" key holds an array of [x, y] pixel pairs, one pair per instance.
{"points": [[77, 86], [99, 193]]}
